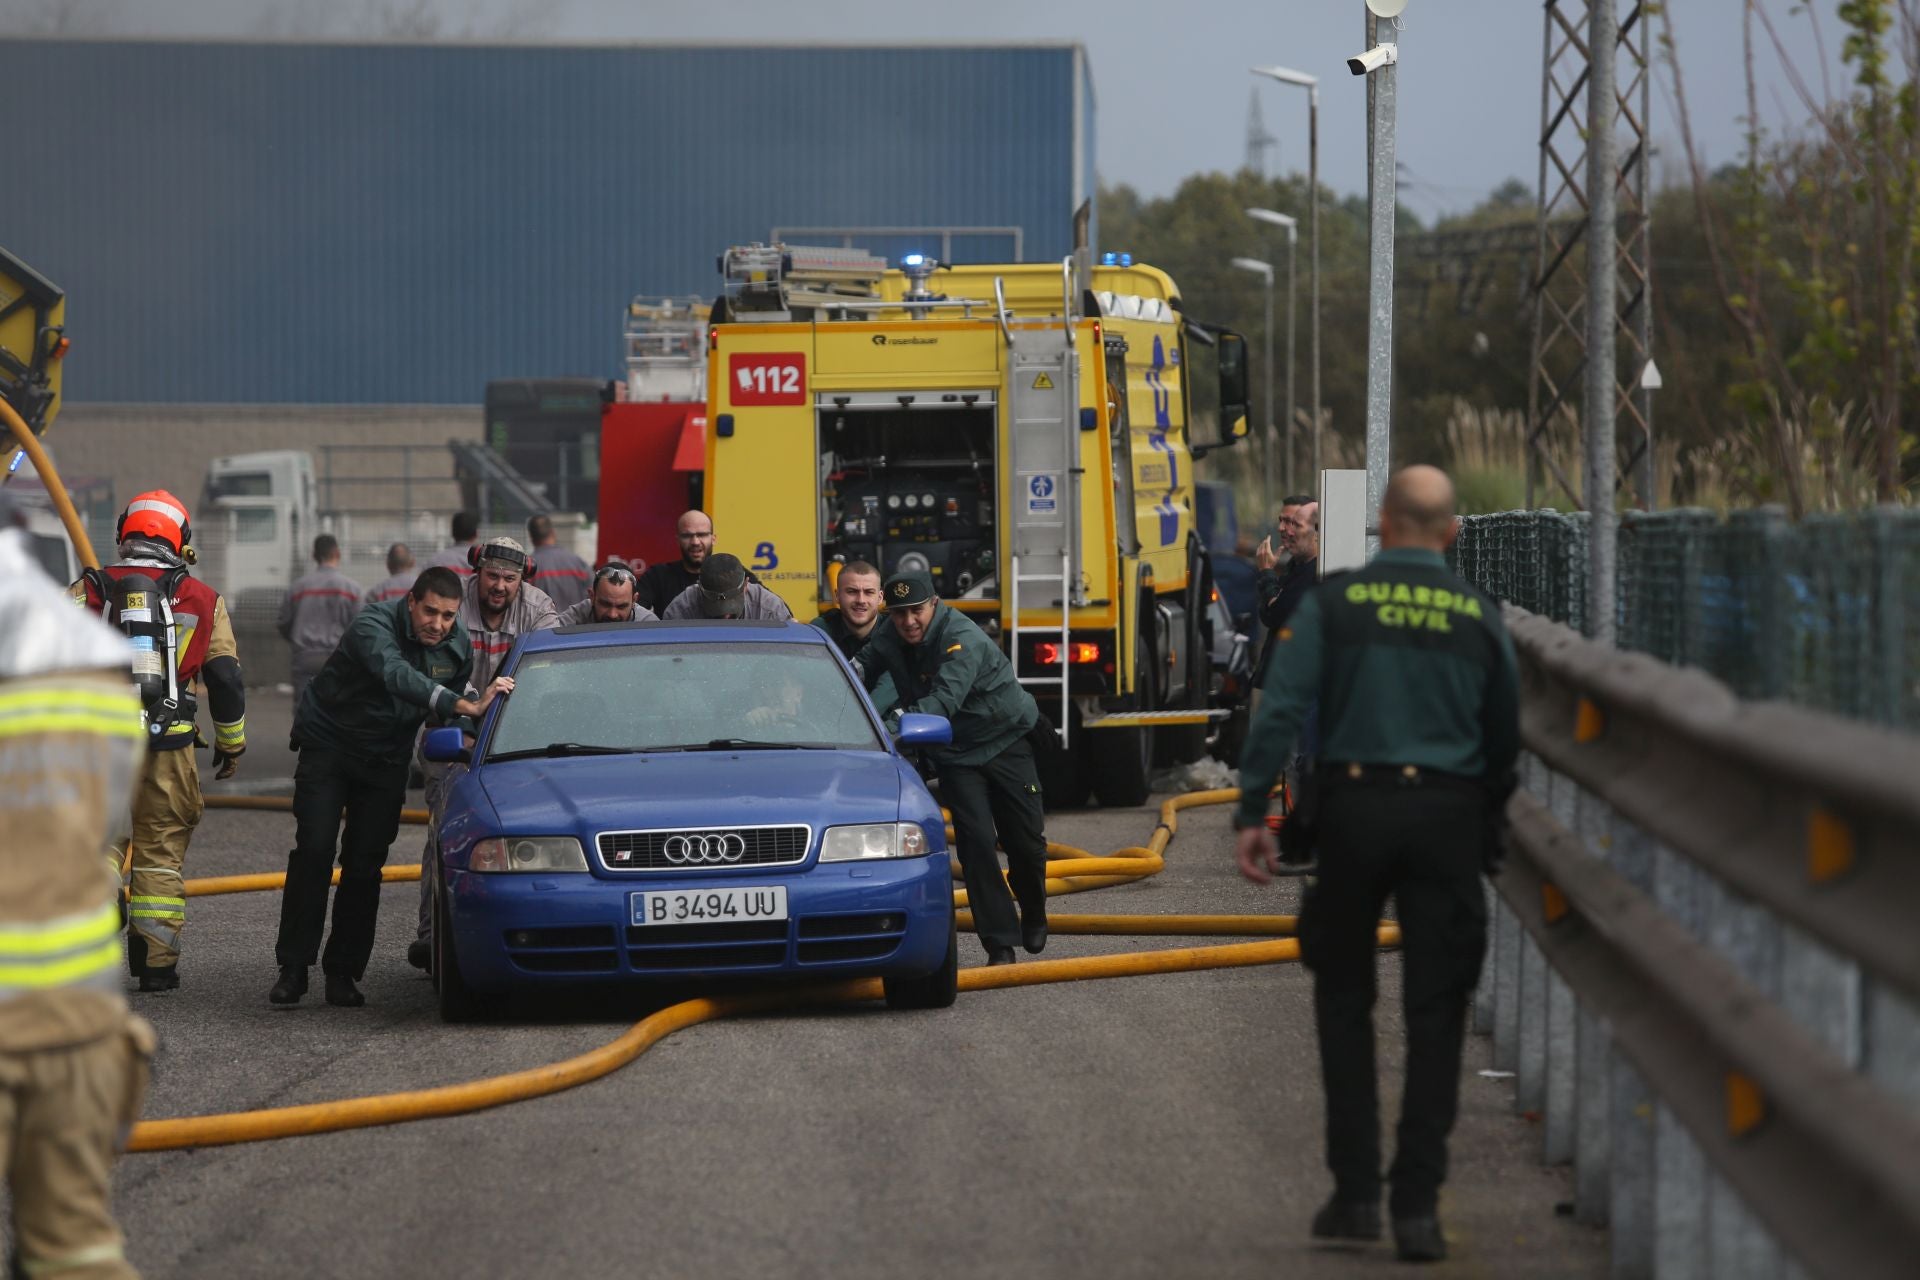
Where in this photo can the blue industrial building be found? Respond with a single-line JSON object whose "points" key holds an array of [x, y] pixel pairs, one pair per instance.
{"points": [[398, 224]]}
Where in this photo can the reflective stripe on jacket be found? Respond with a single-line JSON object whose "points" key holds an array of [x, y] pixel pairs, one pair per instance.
{"points": [[70, 744]]}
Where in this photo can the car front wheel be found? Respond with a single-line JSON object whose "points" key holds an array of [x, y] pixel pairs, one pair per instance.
{"points": [[458, 1001], [936, 990]]}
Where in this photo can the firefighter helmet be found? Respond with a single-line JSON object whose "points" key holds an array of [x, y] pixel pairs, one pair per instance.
{"points": [[158, 515]]}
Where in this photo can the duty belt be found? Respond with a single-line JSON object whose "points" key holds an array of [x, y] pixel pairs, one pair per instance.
{"points": [[1333, 773]]}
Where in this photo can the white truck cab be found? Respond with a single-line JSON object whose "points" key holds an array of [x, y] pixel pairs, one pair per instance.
{"points": [[256, 516], [47, 542]]}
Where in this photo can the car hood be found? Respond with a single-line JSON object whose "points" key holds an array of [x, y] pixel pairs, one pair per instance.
{"points": [[588, 794]]}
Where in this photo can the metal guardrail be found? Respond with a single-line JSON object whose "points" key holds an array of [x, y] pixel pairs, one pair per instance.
{"points": [[1705, 963]]}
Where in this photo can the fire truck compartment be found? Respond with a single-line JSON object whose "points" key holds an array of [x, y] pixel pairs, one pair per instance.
{"points": [[911, 485]]}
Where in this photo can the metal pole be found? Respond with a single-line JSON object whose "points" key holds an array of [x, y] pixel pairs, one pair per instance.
{"points": [[1643, 322], [1266, 452], [1539, 286], [1293, 239], [1603, 34], [1381, 202], [1313, 255]]}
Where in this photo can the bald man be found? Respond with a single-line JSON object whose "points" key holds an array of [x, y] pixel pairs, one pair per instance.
{"points": [[662, 584], [1420, 726]]}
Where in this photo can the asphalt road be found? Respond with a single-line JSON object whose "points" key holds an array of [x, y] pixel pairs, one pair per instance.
{"points": [[1135, 1127]]}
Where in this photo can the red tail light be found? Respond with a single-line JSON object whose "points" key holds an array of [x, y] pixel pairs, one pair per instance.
{"points": [[1079, 653]]}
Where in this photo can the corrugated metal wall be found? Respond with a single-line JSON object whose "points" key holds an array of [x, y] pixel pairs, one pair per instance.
{"points": [[397, 224]]}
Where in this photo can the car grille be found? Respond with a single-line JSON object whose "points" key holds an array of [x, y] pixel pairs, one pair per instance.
{"points": [[669, 850], [757, 944], [762, 944]]}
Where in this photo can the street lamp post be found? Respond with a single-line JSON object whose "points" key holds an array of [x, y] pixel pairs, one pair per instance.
{"points": [[1265, 271], [1311, 84], [1292, 226]]}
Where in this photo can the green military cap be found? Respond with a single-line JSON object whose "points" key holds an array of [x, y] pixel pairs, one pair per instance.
{"points": [[908, 587]]}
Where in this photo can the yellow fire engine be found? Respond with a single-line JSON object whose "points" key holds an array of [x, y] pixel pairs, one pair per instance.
{"points": [[1023, 435]]}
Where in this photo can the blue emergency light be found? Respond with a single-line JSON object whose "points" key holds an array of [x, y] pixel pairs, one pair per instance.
{"points": [[1109, 259]]}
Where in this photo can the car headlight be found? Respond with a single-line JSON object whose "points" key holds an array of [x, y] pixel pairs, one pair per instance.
{"points": [[874, 840], [527, 853]]}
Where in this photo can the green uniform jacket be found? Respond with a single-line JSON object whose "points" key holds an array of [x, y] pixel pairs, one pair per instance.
{"points": [[955, 671], [381, 683], [1410, 665]]}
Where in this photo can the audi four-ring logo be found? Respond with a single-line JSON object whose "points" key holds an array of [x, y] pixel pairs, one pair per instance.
{"points": [[684, 850]]}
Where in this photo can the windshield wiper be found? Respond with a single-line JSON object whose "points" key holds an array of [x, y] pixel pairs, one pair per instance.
{"points": [[554, 750]]}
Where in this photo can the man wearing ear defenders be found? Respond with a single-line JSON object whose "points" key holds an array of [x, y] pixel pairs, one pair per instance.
{"points": [[498, 607]]}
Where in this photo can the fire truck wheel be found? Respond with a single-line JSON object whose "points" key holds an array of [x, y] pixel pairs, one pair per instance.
{"points": [[1064, 779], [1183, 744], [1122, 759]]}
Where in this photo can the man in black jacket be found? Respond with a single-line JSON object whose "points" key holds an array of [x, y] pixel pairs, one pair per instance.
{"points": [[354, 728], [662, 584], [1282, 589]]}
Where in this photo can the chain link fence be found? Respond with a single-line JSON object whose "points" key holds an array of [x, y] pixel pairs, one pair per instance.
{"points": [[1824, 613]]}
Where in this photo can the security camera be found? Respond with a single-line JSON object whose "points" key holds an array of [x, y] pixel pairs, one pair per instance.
{"points": [[1381, 55]]}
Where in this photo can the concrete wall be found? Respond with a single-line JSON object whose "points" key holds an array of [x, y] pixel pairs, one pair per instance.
{"points": [[135, 447], [108, 453]]}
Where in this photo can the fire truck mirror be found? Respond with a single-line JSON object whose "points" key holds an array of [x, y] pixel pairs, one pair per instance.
{"points": [[1232, 352]]}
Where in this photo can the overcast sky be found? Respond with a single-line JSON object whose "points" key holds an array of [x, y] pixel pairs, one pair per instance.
{"points": [[1171, 79]]}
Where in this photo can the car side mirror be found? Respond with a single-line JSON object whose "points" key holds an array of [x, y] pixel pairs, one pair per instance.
{"points": [[446, 745], [920, 730]]}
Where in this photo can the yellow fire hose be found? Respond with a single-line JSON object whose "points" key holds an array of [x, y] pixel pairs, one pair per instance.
{"points": [[42, 464], [1072, 871]]}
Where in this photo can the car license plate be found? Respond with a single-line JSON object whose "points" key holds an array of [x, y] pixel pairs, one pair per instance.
{"points": [[710, 906]]}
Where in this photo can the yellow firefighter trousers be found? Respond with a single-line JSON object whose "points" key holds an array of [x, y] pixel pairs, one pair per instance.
{"points": [[166, 809], [63, 1115]]}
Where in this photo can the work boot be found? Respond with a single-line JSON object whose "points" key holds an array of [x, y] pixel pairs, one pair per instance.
{"points": [[420, 954], [1419, 1239], [292, 985], [342, 992], [136, 953], [1033, 936], [162, 977], [999, 955], [1348, 1220]]}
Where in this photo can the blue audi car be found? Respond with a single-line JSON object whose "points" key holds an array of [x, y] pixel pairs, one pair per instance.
{"points": [[688, 800]]}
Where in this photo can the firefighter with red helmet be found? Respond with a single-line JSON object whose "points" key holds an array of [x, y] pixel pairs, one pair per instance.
{"points": [[181, 634]]}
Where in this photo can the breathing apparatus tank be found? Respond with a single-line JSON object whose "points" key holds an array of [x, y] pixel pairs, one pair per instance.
{"points": [[142, 608]]}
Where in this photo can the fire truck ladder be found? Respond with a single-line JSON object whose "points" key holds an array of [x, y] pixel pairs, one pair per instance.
{"points": [[1043, 481]]}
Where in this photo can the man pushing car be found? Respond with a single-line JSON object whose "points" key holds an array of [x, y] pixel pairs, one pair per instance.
{"points": [[933, 659]]}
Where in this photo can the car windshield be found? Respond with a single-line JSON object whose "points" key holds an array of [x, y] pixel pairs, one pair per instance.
{"points": [[681, 697]]}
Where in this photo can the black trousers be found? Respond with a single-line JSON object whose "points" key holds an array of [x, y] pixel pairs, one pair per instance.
{"points": [[369, 793], [1003, 794], [1420, 843]]}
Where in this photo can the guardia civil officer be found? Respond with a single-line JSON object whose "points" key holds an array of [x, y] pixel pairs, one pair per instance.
{"points": [[1419, 715], [933, 659]]}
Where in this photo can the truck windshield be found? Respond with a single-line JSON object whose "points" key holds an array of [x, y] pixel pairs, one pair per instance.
{"points": [[51, 552], [679, 696], [240, 484]]}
